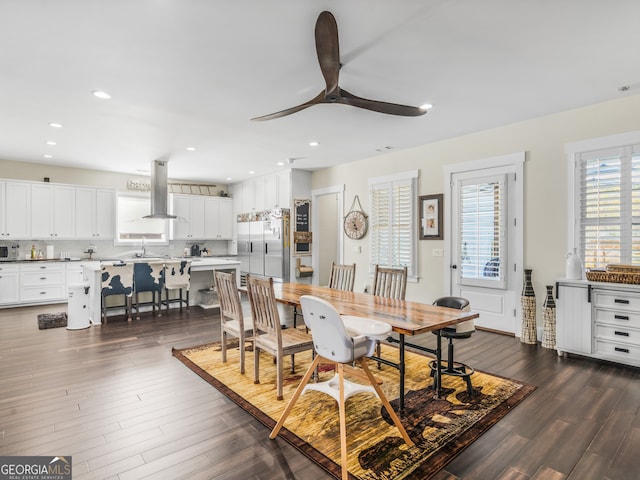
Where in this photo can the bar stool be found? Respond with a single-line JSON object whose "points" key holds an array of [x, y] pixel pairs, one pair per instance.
{"points": [[148, 277], [177, 276], [116, 280], [461, 330]]}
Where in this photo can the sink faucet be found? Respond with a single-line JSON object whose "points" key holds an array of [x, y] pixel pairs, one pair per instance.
{"points": [[142, 251]]}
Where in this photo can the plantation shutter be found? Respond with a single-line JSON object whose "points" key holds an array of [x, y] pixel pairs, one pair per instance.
{"points": [[392, 221], [608, 202], [483, 239]]}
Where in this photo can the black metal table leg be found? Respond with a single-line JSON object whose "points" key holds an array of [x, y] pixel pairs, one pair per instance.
{"points": [[401, 368], [438, 382]]}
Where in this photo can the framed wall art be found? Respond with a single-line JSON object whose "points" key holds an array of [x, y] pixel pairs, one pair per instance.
{"points": [[431, 220]]}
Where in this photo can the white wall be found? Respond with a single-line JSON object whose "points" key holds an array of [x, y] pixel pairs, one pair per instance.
{"points": [[542, 139]]}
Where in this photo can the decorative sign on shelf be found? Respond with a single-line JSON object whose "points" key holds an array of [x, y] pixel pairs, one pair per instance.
{"points": [[302, 236]]}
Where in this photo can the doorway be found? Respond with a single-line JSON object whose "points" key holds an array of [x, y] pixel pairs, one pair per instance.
{"points": [[326, 220], [485, 218]]}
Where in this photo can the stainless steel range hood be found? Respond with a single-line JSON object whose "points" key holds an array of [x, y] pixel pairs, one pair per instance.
{"points": [[159, 191]]}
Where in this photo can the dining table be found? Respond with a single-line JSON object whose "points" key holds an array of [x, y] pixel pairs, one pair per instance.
{"points": [[406, 318]]}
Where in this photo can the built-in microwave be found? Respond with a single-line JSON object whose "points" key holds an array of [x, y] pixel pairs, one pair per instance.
{"points": [[8, 251]]}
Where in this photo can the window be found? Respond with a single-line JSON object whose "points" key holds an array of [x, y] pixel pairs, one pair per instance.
{"points": [[392, 221], [608, 206], [482, 230], [132, 228]]}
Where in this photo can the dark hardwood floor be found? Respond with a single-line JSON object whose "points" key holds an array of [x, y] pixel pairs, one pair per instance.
{"points": [[115, 399]]}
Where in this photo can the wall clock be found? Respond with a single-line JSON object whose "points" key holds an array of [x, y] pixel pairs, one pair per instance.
{"points": [[355, 222]]}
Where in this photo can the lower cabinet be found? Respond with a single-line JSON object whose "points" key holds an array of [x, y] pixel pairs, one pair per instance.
{"points": [[43, 282], [599, 320], [573, 318], [9, 284], [616, 322]]}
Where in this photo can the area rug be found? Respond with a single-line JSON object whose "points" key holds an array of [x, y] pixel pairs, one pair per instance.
{"points": [[440, 427]]}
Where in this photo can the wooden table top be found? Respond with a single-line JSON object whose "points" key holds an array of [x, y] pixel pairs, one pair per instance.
{"points": [[409, 318]]}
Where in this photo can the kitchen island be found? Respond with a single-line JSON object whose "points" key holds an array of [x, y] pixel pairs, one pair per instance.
{"points": [[202, 269]]}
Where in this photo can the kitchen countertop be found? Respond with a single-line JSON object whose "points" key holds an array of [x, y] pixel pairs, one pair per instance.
{"points": [[47, 260]]}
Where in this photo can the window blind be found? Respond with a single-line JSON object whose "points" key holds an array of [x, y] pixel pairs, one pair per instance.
{"points": [[392, 224], [482, 229], [608, 202]]}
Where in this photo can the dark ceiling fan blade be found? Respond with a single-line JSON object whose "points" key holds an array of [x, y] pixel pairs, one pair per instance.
{"points": [[320, 98], [328, 49], [347, 98]]}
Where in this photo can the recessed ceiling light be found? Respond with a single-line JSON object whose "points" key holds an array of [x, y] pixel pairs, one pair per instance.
{"points": [[229, 179], [55, 125], [46, 155], [252, 172], [101, 94], [280, 163], [426, 106], [51, 142], [191, 149], [313, 144]]}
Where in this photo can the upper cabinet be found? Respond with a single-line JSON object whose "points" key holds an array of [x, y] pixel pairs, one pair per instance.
{"points": [[218, 218], [263, 193], [15, 201], [47, 211], [201, 217], [190, 212], [95, 213], [52, 211]]}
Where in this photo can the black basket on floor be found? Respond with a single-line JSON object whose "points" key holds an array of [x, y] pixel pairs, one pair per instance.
{"points": [[52, 320]]}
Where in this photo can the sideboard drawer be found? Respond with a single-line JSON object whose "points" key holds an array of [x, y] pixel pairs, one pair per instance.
{"points": [[620, 352], [622, 318], [617, 300], [618, 334]]}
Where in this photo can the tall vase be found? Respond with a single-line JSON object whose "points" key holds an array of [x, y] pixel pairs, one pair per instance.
{"points": [[549, 322], [528, 302]]}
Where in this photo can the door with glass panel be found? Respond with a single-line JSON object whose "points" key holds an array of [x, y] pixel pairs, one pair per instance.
{"points": [[484, 244]]}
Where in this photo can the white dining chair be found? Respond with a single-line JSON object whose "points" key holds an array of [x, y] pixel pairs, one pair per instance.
{"points": [[334, 346]]}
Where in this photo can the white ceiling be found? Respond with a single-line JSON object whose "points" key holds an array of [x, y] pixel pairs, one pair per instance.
{"points": [[193, 72]]}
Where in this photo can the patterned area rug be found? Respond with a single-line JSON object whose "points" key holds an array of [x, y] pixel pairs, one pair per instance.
{"points": [[440, 428]]}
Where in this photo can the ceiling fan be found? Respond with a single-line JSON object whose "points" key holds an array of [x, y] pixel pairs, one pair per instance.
{"points": [[328, 52]]}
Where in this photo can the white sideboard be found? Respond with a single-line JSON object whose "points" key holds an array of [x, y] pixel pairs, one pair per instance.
{"points": [[599, 320]]}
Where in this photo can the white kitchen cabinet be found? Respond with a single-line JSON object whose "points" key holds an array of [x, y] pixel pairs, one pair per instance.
{"points": [[9, 284], [52, 211], [573, 318], [235, 191], [95, 213], [190, 212], [43, 282], [15, 210], [277, 190], [218, 218]]}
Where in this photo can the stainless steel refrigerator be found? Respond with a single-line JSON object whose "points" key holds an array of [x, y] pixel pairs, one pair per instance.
{"points": [[263, 244]]}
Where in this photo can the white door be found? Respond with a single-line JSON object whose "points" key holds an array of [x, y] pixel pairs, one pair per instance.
{"points": [[486, 243], [327, 211]]}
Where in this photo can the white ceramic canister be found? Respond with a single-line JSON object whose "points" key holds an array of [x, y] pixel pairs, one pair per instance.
{"points": [[573, 270]]}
